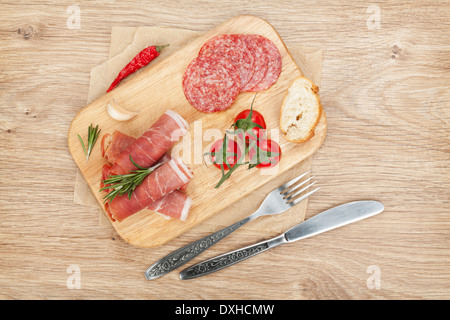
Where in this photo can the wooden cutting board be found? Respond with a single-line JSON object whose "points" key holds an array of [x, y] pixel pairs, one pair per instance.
{"points": [[157, 89]]}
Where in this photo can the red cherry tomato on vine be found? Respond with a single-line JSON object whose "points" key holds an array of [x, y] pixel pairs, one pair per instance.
{"points": [[255, 123], [268, 152], [231, 155]]}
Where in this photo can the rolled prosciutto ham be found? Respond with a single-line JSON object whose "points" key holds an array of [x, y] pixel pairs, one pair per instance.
{"points": [[165, 179], [174, 205], [152, 144], [114, 144], [160, 137]]}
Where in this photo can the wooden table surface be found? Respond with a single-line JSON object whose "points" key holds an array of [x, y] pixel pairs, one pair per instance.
{"points": [[385, 90]]}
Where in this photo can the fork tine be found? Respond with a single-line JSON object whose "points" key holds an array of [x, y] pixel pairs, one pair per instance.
{"points": [[290, 183], [296, 201], [295, 187], [295, 193]]}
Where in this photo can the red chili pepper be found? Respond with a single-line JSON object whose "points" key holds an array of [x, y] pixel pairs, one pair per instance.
{"points": [[142, 59]]}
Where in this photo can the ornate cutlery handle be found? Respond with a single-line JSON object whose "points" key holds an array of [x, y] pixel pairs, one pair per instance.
{"points": [[183, 255], [230, 258], [327, 220]]}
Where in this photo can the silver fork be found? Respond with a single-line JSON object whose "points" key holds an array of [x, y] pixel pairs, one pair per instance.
{"points": [[278, 201]]}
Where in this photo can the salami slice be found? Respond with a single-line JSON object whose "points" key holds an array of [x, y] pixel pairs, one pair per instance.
{"points": [[274, 64], [234, 48], [211, 83], [254, 43]]}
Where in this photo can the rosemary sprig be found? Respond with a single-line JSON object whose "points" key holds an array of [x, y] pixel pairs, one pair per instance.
{"points": [[126, 183], [93, 134]]}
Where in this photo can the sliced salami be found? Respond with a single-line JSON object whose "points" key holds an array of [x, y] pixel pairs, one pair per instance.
{"points": [[254, 44], [211, 83], [233, 48], [274, 64]]}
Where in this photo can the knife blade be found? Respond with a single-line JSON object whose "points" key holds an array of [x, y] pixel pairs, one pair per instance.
{"points": [[327, 220], [334, 218]]}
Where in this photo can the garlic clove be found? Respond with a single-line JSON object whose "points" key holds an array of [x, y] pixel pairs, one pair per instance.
{"points": [[118, 113]]}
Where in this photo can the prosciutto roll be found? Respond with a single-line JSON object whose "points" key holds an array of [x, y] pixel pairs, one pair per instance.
{"points": [[152, 144], [114, 144], [174, 205], [165, 179], [105, 172]]}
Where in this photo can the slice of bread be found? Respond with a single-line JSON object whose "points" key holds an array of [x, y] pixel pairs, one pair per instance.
{"points": [[301, 110]]}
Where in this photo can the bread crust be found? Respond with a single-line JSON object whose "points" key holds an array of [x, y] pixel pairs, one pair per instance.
{"points": [[315, 90]]}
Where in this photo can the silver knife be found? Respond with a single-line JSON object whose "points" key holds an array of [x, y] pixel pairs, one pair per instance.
{"points": [[330, 219]]}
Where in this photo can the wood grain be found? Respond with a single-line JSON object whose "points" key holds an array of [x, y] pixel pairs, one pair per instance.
{"points": [[158, 89], [386, 95]]}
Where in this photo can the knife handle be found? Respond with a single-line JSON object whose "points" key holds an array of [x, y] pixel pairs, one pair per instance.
{"points": [[183, 255], [230, 258]]}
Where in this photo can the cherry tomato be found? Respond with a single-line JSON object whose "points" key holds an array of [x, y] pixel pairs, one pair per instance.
{"points": [[263, 150], [232, 154], [246, 122]]}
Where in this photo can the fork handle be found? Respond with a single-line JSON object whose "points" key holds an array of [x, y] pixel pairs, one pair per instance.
{"points": [[183, 255], [230, 258]]}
